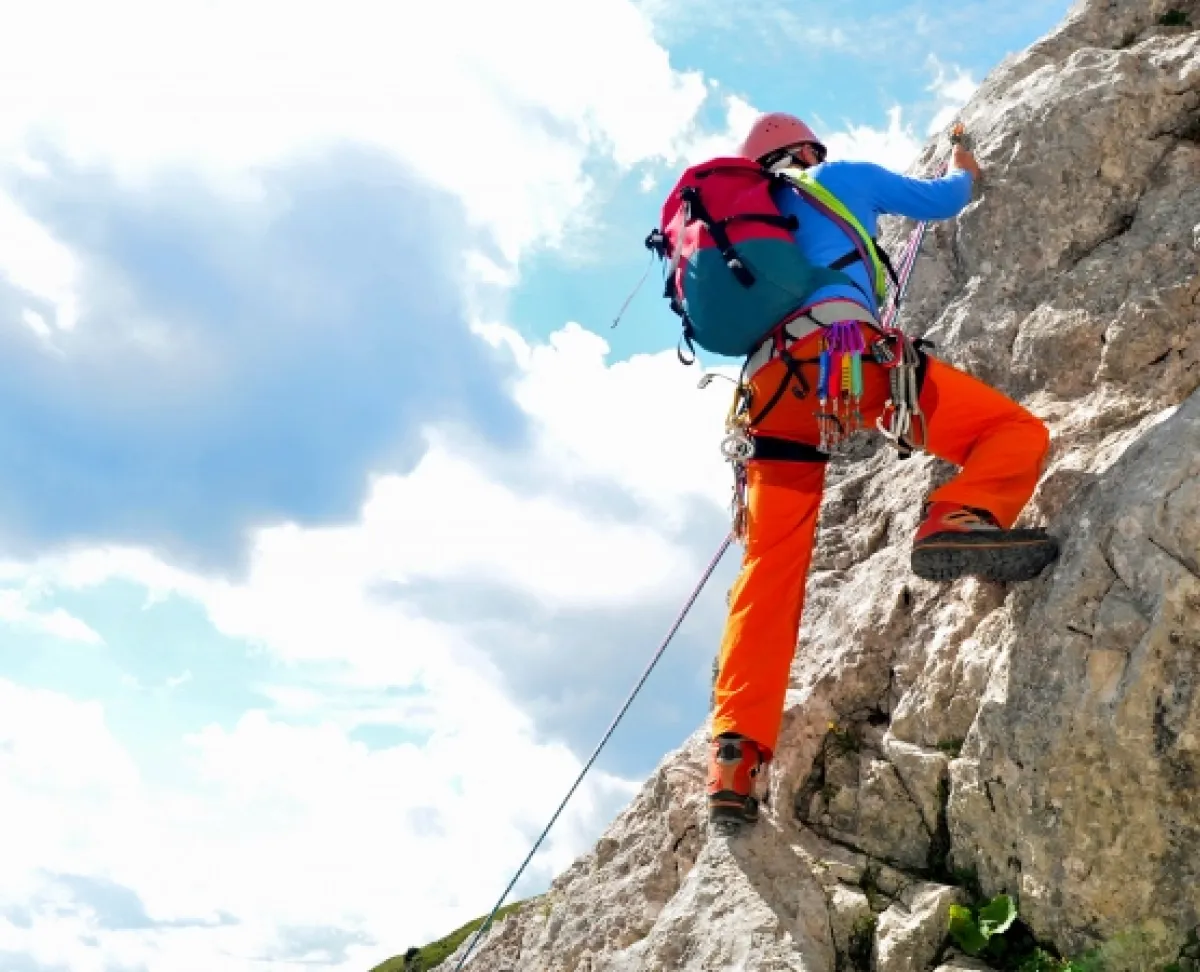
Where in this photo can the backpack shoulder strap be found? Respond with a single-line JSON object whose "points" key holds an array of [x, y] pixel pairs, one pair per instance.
{"points": [[836, 210]]}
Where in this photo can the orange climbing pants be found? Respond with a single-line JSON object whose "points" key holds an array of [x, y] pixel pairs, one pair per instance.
{"points": [[998, 445]]}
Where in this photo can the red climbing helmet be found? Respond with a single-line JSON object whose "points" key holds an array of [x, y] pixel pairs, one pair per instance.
{"points": [[775, 131]]}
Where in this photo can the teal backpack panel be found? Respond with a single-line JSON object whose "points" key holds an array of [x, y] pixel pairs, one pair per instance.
{"points": [[729, 318]]}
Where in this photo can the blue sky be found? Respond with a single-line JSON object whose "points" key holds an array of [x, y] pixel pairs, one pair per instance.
{"points": [[335, 521]]}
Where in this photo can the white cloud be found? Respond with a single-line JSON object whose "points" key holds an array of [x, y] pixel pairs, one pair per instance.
{"points": [[36, 323], [801, 30], [169, 683], [429, 829], [895, 147], [174, 681], [57, 758], [640, 427], [642, 421], [698, 146], [287, 827], [498, 103], [774, 29], [501, 105], [952, 86], [33, 260], [17, 608]]}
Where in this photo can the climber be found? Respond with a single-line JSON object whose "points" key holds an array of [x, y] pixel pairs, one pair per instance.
{"points": [[412, 960], [966, 525]]}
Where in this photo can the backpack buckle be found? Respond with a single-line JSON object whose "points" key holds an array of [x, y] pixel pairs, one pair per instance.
{"points": [[657, 243]]}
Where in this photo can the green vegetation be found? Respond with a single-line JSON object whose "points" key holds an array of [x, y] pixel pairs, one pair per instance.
{"points": [[980, 931], [992, 932], [436, 953], [1174, 18], [862, 935], [951, 747], [844, 741], [1134, 951]]}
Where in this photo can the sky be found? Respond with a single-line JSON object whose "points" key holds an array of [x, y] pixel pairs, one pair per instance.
{"points": [[336, 520]]}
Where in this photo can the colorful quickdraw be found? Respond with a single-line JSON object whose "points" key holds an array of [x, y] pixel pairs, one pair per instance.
{"points": [[840, 383]]}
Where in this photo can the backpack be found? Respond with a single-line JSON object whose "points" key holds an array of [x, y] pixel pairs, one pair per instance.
{"points": [[735, 272]]}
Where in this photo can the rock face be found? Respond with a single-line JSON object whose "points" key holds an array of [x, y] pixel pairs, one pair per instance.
{"points": [[941, 741]]}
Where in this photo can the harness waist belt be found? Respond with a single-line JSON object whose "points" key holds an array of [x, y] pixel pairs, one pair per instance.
{"points": [[804, 322], [768, 447]]}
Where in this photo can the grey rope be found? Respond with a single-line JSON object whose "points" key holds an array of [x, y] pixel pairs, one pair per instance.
{"points": [[708, 571]]}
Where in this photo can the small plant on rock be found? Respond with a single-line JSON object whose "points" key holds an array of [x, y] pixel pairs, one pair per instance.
{"points": [[1174, 18], [980, 931], [843, 740], [1039, 960], [861, 939], [951, 747], [1132, 951], [1136, 950]]}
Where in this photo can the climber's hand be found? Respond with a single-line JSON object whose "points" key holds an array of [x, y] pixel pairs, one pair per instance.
{"points": [[963, 159]]}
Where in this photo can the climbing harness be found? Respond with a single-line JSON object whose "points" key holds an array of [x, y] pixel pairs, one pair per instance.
{"points": [[839, 395], [679, 618], [839, 382]]}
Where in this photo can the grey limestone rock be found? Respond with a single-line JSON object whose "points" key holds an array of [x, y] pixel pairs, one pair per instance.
{"points": [[1043, 737]]}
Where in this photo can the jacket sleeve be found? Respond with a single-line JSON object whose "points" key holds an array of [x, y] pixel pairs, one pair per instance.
{"points": [[899, 195]]}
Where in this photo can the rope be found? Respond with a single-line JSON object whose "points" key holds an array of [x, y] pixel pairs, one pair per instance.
{"points": [[633, 293], [909, 258], [907, 264], [708, 571]]}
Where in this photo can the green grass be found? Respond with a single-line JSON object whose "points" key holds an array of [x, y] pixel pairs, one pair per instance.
{"points": [[435, 953]]}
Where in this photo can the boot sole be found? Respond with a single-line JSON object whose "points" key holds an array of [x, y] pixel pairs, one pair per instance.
{"points": [[729, 815], [728, 826], [1017, 557]]}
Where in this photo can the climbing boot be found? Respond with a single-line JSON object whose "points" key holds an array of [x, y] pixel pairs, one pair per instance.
{"points": [[954, 541], [733, 768]]}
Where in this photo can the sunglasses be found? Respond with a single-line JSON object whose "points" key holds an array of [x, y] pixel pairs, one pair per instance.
{"points": [[792, 152]]}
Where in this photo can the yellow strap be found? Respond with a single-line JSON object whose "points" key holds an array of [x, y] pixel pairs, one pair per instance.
{"points": [[806, 183]]}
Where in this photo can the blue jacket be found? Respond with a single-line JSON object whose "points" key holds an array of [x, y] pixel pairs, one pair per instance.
{"points": [[868, 191]]}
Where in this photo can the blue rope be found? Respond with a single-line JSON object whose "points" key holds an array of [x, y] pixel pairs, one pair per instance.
{"points": [[712, 565]]}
